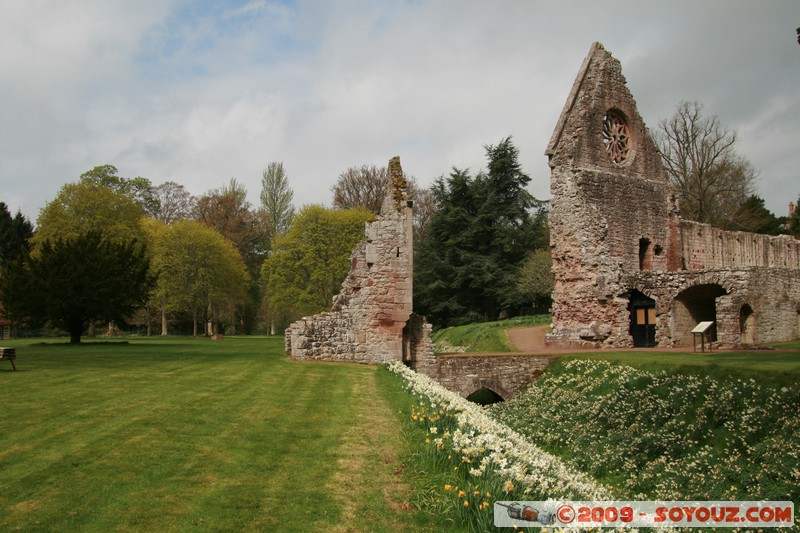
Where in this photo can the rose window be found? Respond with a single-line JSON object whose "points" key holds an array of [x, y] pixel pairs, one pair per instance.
{"points": [[616, 136]]}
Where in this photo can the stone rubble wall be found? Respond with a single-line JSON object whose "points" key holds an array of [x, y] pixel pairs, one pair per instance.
{"points": [[506, 375], [773, 292], [369, 318], [600, 210], [706, 247]]}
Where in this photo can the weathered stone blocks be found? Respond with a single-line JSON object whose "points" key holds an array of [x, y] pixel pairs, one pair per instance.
{"points": [[619, 247], [369, 318]]}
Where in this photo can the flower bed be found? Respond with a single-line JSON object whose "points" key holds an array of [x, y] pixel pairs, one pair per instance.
{"points": [[488, 460], [666, 435]]}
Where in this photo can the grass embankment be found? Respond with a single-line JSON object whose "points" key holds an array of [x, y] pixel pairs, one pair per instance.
{"points": [[485, 336], [183, 434], [679, 434], [768, 367]]}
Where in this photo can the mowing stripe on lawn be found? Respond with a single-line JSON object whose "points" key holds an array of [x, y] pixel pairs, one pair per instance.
{"points": [[184, 435]]}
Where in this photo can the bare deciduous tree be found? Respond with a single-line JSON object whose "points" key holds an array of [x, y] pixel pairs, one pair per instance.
{"points": [[365, 186], [173, 203], [424, 208], [703, 166]]}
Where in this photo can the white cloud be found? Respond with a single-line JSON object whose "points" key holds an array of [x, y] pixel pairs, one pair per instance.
{"points": [[199, 94]]}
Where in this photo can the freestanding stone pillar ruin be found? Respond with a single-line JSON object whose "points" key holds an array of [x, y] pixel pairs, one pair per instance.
{"points": [[371, 319]]}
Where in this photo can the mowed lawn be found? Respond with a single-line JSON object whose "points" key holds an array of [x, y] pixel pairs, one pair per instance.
{"points": [[186, 434]]}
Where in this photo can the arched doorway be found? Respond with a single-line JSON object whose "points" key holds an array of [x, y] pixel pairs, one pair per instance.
{"points": [[693, 305], [643, 320], [747, 325]]}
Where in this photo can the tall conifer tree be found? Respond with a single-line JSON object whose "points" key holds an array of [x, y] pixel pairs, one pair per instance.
{"points": [[468, 266]]}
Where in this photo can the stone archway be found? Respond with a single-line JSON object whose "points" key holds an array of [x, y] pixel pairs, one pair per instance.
{"points": [[485, 396], [693, 305], [747, 325], [486, 385]]}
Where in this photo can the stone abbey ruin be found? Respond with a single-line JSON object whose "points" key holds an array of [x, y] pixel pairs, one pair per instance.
{"points": [[371, 320], [628, 271]]}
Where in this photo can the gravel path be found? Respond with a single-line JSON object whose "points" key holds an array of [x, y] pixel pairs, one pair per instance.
{"points": [[528, 340]]}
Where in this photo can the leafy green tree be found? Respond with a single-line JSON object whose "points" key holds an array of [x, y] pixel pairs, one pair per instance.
{"points": [[139, 189], [466, 269], [85, 207], [228, 211], [308, 264], [155, 232], [276, 200], [197, 271], [74, 280], [278, 211], [536, 279]]}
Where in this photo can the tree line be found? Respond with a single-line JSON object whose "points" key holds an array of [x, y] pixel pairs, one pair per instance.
{"points": [[112, 251]]}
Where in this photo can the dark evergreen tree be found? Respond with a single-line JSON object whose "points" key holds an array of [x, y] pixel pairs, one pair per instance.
{"points": [[15, 234], [481, 233], [754, 217], [71, 281], [793, 222]]}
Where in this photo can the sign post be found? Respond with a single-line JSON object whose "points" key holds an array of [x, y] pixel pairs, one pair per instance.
{"points": [[702, 330]]}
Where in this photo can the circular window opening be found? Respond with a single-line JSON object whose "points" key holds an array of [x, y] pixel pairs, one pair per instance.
{"points": [[616, 136]]}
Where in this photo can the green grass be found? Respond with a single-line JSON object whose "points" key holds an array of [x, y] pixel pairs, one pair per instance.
{"points": [[182, 434], [790, 345], [767, 366], [487, 336]]}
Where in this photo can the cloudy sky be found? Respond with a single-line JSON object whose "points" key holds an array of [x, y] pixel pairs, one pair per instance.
{"points": [[200, 92]]}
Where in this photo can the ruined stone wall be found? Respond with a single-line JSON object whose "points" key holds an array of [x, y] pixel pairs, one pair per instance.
{"points": [[772, 294], [604, 206], [369, 319], [706, 247], [614, 230]]}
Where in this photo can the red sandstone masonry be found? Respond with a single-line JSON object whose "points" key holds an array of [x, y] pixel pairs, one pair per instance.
{"points": [[614, 229], [368, 319]]}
